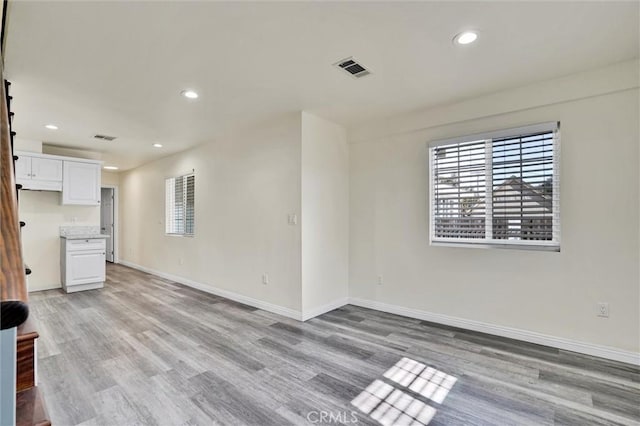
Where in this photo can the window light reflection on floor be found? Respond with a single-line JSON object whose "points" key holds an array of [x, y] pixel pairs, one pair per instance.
{"points": [[391, 406], [426, 381]]}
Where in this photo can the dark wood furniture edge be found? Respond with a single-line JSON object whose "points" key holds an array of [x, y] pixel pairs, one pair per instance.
{"points": [[31, 409], [27, 331]]}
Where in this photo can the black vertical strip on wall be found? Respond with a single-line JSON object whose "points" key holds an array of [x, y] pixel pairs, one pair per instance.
{"points": [[5, 4]]}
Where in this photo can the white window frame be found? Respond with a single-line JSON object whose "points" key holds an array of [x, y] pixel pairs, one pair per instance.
{"points": [[488, 241], [169, 208]]}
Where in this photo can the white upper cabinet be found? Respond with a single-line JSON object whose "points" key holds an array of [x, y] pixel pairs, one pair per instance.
{"points": [[81, 183], [39, 173], [77, 178], [46, 169], [23, 168]]}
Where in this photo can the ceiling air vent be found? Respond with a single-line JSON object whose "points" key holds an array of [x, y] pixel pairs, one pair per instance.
{"points": [[351, 66], [105, 137]]}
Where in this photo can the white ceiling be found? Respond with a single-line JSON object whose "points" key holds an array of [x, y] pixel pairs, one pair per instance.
{"points": [[117, 68]]}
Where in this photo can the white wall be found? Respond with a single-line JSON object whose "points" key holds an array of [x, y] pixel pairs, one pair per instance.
{"points": [[542, 292], [246, 185], [325, 214], [71, 152], [110, 178], [27, 145]]}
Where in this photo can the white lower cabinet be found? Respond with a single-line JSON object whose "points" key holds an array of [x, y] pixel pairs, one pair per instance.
{"points": [[82, 264]]}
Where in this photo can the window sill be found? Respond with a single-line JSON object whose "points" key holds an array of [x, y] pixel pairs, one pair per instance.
{"points": [[512, 246]]}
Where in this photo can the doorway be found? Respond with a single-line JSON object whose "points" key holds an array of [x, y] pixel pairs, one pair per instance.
{"points": [[108, 220]]}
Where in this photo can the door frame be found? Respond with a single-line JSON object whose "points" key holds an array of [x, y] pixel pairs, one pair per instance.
{"points": [[116, 234]]}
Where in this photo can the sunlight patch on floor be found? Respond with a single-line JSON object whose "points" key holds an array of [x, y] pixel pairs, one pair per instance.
{"points": [[389, 405]]}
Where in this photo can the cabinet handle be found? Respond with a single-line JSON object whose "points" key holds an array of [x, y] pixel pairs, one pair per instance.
{"points": [[104, 254]]}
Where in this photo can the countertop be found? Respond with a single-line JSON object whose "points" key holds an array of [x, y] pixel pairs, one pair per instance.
{"points": [[84, 236]]}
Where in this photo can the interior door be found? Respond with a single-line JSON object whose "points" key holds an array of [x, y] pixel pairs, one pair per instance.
{"points": [[106, 220]]}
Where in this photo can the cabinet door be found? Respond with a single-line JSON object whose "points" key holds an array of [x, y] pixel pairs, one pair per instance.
{"points": [[23, 168], [85, 267], [46, 169], [81, 183]]}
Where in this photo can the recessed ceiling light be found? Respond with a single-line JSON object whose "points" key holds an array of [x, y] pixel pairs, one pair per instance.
{"points": [[110, 168], [51, 127], [465, 37], [190, 94], [157, 145]]}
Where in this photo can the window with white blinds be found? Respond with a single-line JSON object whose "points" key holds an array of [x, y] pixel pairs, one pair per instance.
{"points": [[179, 205], [497, 189]]}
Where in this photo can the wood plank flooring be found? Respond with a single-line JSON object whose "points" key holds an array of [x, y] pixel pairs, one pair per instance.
{"points": [[146, 351]]}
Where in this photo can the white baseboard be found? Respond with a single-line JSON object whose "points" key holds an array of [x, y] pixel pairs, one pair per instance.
{"points": [[270, 307], [513, 333], [45, 288], [312, 313]]}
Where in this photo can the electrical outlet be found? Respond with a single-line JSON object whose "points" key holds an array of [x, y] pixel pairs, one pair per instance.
{"points": [[380, 279], [265, 279], [603, 310], [292, 219]]}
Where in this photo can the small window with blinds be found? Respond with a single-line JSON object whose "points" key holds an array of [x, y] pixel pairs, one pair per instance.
{"points": [[499, 189], [180, 205]]}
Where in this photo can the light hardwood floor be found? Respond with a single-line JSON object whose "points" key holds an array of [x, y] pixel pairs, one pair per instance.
{"points": [[147, 351]]}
